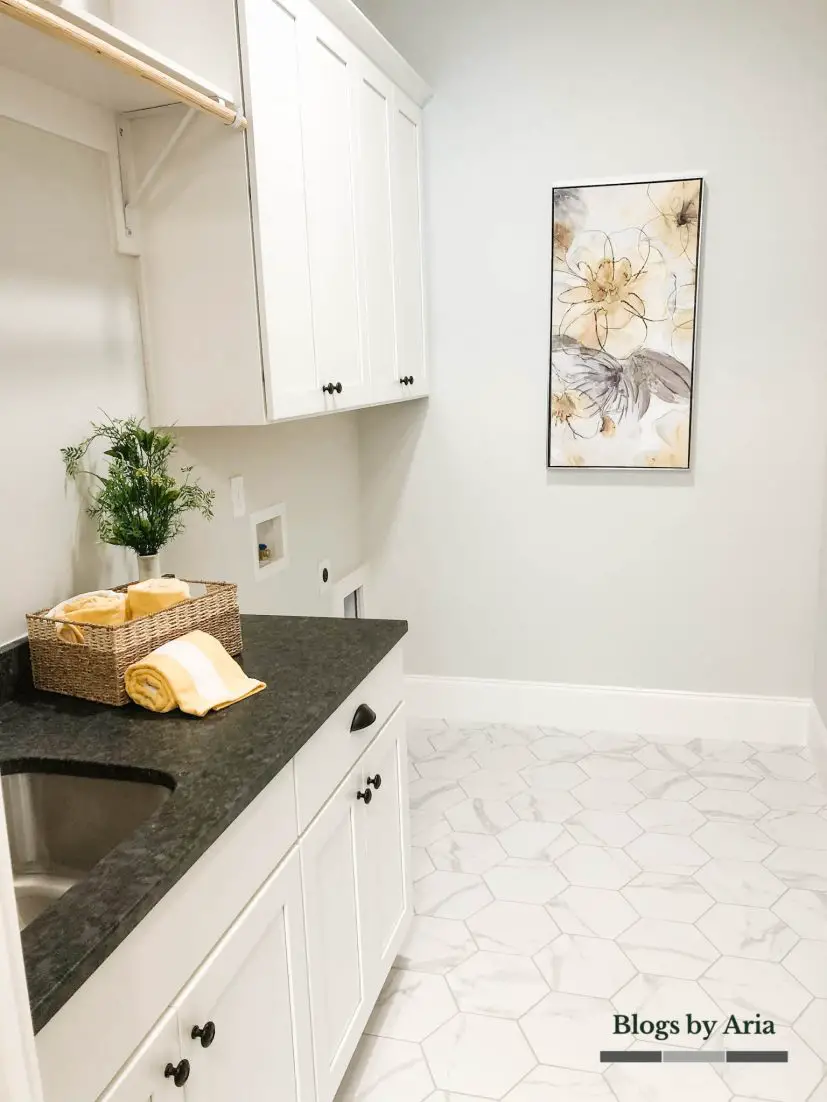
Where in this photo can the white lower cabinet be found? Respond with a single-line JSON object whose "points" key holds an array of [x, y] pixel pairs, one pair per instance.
{"points": [[385, 876], [244, 1020], [331, 867], [242, 1025], [357, 899], [143, 1079], [275, 1011]]}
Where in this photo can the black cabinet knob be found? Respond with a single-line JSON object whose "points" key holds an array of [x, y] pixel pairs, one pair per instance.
{"points": [[206, 1033], [179, 1074], [375, 781], [332, 388], [406, 380], [363, 717], [367, 795]]}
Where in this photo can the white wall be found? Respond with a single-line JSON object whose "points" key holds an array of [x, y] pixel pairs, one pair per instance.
{"points": [[313, 467], [704, 581], [820, 658], [69, 348]]}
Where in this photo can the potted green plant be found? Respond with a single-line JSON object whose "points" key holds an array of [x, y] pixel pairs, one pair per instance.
{"points": [[138, 503]]}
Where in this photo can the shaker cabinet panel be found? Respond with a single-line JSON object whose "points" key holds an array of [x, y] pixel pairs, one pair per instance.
{"points": [[406, 152], [330, 876], [270, 36], [376, 257], [244, 1020], [329, 81], [386, 878], [143, 1078]]}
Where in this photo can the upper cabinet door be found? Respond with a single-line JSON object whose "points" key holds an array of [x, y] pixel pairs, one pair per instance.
{"points": [[330, 82], [248, 1005], [270, 34], [406, 178], [374, 94], [143, 1078]]}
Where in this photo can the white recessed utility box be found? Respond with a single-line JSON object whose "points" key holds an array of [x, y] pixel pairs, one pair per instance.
{"points": [[268, 530]]}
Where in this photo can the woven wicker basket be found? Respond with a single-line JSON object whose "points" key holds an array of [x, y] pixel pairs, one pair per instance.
{"points": [[94, 669]]}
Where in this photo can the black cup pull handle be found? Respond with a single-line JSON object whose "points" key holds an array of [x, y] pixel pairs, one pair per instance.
{"points": [[375, 781], [367, 796], [205, 1032], [178, 1073], [363, 717]]}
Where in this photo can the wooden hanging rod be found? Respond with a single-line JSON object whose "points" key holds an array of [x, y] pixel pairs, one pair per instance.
{"points": [[32, 14]]}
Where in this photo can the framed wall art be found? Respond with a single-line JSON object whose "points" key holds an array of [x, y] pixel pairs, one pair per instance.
{"points": [[623, 323]]}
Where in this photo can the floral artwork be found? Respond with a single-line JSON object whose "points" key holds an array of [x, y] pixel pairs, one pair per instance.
{"points": [[623, 302]]}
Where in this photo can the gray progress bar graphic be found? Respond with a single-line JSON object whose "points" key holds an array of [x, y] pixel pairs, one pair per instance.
{"points": [[673, 1056]]}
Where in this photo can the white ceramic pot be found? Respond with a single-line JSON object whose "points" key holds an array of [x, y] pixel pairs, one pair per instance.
{"points": [[149, 566]]}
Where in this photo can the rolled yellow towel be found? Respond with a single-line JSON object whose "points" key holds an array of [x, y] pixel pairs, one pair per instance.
{"points": [[155, 595], [103, 606], [193, 673]]}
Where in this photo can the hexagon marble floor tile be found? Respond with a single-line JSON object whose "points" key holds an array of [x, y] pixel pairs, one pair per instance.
{"points": [[564, 877]]}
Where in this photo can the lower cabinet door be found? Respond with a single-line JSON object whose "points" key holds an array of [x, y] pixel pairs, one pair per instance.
{"points": [[330, 875], [385, 880], [144, 1078], [244, 1019]]}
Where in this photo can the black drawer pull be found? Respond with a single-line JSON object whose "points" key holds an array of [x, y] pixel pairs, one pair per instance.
{"points": [[332, 388], [178, 1074], [367, 795], [363, 717], [375, 781], [206, 1033]]}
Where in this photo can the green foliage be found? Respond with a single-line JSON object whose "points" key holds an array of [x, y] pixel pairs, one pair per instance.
{"points": [[138, 503]]}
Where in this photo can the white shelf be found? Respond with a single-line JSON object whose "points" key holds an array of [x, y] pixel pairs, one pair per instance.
{"points": [[90, 74]]}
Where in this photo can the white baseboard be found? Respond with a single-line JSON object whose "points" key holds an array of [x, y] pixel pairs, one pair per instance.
{"points": [[781, 720], [817, 741]]}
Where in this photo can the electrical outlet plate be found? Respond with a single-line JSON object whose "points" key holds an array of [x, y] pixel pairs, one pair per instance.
{"points": [[237, 496]]}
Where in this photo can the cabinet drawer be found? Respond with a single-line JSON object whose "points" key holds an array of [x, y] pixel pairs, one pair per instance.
{"points": [[323, 762]]}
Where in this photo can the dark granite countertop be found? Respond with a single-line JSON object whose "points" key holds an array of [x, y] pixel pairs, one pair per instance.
{"points": [[217, 765]]}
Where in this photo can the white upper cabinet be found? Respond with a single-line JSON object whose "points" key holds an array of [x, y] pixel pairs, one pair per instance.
{"points": [[329, 66], [282, 270], [406, 184], [374, 106], [270, 37]]}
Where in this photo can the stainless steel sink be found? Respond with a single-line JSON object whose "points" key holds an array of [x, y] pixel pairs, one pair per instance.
{"points": [[61, 826]]}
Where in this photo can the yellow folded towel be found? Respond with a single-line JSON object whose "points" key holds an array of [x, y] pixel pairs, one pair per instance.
{"points": [[154, 595], [193, 673], [103, 606]]}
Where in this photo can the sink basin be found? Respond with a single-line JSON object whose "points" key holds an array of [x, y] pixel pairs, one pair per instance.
{"points": [[60, 827]]}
